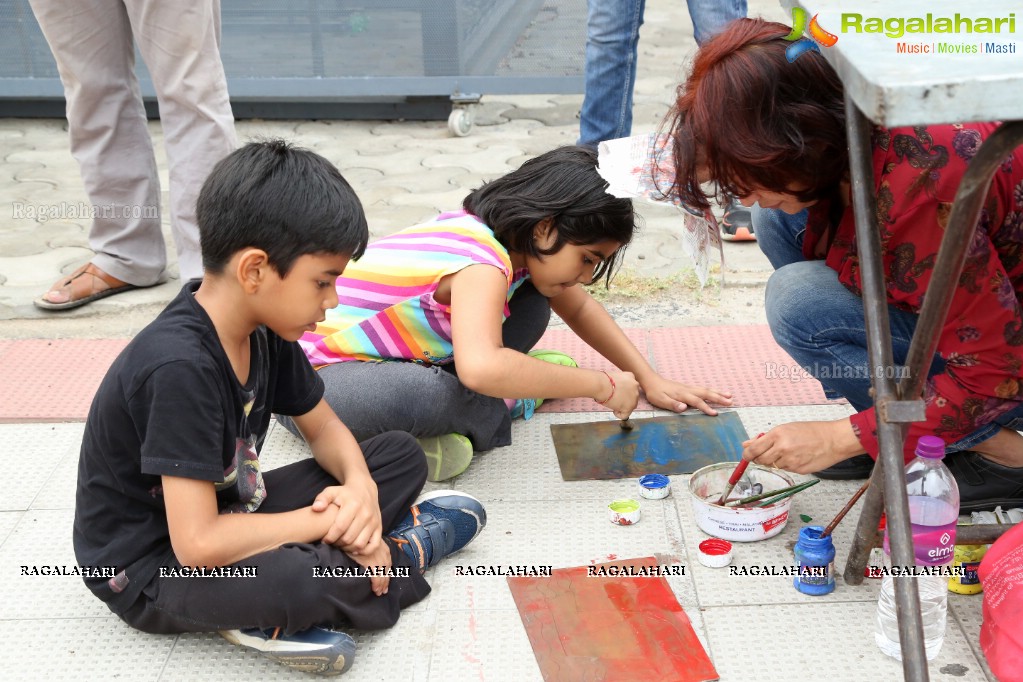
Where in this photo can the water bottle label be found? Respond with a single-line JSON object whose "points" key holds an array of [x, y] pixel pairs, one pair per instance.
{"points": [[934, 545]]}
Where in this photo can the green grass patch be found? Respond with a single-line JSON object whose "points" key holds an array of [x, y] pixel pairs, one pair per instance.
{"points": [[630, 286]]}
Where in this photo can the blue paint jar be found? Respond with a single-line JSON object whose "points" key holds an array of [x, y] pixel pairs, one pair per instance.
{"points": [[816, 558]]}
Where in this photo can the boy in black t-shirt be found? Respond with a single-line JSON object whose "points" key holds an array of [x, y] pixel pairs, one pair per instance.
{"points": [[170, 489]]}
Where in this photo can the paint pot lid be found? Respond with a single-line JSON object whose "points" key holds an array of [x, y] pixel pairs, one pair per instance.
{"points": [[715, 553], [654, 481], [624, 512]]}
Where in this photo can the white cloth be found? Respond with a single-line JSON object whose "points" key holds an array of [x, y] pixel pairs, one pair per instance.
{"points": [[641, 167]]}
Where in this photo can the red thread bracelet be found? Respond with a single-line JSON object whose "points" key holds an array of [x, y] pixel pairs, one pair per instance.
{"points": [[608, 399]]}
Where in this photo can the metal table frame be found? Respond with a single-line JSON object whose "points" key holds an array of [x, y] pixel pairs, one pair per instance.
{"points": [[878, 90], [898, 404]]}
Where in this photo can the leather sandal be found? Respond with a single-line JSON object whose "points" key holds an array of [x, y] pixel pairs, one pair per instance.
{"points": [[85, 285]]}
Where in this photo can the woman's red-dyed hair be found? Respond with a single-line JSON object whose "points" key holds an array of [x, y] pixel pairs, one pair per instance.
{"points": [[750, 119]]}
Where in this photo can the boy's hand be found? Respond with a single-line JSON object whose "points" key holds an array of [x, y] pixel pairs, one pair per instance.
{"points": [[677, 397], [626, 393], [357, 527], [379, 558]]}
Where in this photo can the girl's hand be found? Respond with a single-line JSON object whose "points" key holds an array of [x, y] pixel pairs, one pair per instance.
{"points": [[678, 397], [623, 393]]}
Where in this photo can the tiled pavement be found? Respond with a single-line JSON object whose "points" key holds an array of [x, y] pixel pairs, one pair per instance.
{"points": [[468, 628]]}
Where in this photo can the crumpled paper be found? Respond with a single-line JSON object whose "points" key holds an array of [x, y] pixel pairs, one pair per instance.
{"points": [[639, 167]]}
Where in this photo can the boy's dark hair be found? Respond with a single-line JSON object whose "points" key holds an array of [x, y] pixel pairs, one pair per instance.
{"points": [[754, 119], [562, 184], [285, 200]]}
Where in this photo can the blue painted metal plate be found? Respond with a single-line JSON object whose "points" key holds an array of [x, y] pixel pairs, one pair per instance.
{"points": [[678, 444]]}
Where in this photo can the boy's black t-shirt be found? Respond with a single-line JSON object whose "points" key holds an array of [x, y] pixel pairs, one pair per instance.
{"points": [[171, 404]]}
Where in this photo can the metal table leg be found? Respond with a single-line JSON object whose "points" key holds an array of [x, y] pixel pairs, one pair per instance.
{"points": [[898, 404], [890, 435]]}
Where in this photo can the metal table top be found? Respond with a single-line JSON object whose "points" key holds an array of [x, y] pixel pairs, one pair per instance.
{"points": [[941, 85]]}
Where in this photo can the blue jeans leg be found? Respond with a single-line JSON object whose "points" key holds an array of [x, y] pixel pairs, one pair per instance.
{"points": [[820, 324], [779, 234], [612, 39], [710, 16], [1012, 420]]}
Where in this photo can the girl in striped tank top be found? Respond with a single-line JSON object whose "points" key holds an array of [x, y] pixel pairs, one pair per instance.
{"points": [[434, 324]]}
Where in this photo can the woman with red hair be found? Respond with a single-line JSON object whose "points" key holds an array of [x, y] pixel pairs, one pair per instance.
{"points": [[773, 134]]}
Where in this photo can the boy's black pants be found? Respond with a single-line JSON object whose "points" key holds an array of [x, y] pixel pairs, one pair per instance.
{"points": [[284, 593]]}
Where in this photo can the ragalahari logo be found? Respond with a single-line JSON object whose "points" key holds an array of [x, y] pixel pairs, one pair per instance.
{"points": [[818, 36]]}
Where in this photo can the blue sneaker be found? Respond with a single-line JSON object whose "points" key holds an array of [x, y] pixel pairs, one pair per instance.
{"points": [[317, 650], [525, 407], [438, 524]]}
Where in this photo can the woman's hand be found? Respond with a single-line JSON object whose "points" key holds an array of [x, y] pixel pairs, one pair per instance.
{"points": [[678, 397], [804, 447]]}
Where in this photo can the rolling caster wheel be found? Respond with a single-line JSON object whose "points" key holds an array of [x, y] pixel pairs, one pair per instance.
{"points": [[460, 121]]}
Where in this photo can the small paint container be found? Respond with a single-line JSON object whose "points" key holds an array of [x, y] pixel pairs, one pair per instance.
{"points": [[877, 560], [738, 524], [714, 553], [654, 486], [968, 558], [623, 512], [816, 558]]}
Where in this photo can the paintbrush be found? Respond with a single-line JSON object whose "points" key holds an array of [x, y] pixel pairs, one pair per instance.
{"points": [[733, 479], [760, 496], [845, 510], [789, 493], [626, 424]]}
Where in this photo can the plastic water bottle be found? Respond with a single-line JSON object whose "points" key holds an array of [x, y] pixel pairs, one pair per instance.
{"points": [[933, 512]]}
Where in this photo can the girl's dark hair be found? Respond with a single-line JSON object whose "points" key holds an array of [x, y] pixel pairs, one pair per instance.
{"points": [[753, 119], [285, 200], [562, 184]]}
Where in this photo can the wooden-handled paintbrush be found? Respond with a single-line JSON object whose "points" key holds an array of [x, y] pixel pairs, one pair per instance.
{"points": [[845, 510]]}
